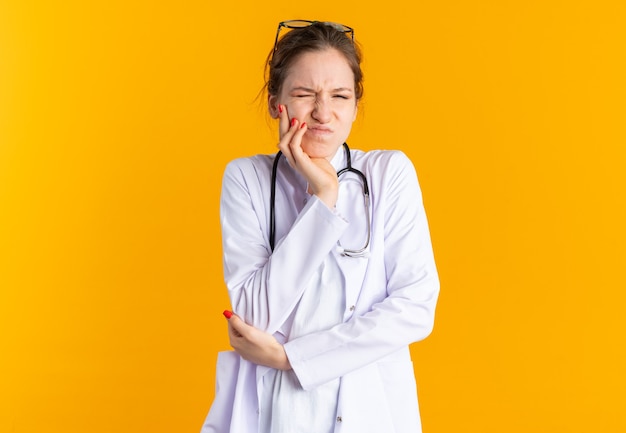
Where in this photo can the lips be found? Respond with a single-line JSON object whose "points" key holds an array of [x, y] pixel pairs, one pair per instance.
{"points": [[320, 129]]}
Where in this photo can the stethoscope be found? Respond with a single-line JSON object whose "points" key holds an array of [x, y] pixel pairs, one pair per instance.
{"points": [[361, 252]]}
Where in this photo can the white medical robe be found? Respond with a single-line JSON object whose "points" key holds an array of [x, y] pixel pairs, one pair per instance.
{"points": [[389, 300]]}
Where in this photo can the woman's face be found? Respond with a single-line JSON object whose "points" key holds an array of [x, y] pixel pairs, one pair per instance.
{"points": [[319, 90]]}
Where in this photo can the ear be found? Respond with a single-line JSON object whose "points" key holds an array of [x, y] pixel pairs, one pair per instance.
{"points": [[356, 111], [272, 105]]}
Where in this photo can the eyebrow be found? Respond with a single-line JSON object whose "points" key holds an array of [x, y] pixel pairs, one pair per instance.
{"points": [[307, 89]]}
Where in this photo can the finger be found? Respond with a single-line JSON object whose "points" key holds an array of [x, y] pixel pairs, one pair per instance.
{"points": [[284, 144], [232, 332], [239, 327], [283, 121], [295, 146]]}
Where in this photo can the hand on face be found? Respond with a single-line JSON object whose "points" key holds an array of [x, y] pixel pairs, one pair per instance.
{"points": [[319, 172]]}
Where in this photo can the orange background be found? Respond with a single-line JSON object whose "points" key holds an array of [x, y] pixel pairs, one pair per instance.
{"points": [[117, 119]]}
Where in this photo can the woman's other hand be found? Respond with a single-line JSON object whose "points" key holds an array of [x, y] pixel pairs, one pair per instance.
{"points": [[254, 345], [318, 172]]}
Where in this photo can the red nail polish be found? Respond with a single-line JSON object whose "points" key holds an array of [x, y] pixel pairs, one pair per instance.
{"points": [[303, 125], [228, 314], [280, 108], [293, 121]]}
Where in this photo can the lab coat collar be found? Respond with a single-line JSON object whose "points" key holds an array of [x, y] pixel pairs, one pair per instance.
{"points": [[338, 161]]}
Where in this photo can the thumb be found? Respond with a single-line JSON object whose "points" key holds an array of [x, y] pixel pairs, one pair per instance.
{"points": [[238, 325]]}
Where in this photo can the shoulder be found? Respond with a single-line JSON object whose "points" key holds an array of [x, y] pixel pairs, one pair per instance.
{"points": [[259, 166], [384, 162]]}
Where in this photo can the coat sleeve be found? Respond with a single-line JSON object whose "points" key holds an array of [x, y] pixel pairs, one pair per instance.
{"points": [[264, 287], [406, 314]]}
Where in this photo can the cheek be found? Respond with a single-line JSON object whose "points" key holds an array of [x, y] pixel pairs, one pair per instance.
{"points": [[349, 114], [297, 108]]}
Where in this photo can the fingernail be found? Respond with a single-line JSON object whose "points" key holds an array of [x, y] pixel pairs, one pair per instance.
{"points": [[280, 108], [303, 125], [293, 121], [228, 314]]}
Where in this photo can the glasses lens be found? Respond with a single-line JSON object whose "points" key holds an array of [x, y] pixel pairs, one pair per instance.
{"points": [[296, 24], [340, 27]]}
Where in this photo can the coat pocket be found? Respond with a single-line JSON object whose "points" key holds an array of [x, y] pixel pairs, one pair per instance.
{"points": [[398, 379]]}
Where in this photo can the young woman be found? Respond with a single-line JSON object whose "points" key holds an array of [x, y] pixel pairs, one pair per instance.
{"points": [[327, 260]]}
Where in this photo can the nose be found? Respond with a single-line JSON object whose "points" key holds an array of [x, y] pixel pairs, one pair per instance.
{"points": [[322, 110]]}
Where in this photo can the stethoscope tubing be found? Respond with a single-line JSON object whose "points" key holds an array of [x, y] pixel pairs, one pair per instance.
{"points": [[348, 168]]}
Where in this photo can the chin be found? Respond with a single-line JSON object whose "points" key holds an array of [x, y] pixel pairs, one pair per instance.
{"points": [[320, 150]]}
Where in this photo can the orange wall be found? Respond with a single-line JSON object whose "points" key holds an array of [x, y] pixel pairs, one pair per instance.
{"points": [[116, 121]]}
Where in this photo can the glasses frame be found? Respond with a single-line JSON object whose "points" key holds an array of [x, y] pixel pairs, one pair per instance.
{"points": [[300, 24]]}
